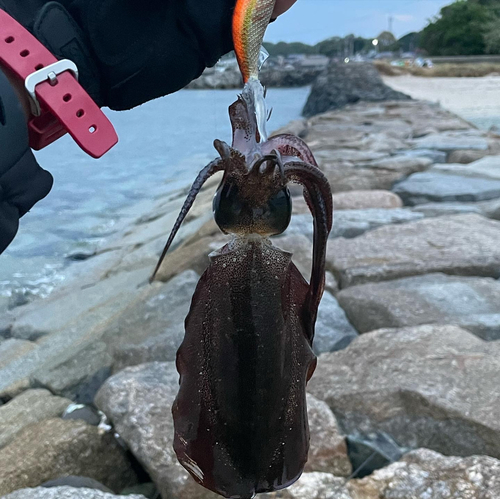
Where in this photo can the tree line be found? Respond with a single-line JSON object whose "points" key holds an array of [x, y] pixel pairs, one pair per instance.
{"points": [[465, 27]]}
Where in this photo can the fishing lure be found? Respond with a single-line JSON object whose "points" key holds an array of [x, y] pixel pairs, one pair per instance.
{"points": [[240, 416]]}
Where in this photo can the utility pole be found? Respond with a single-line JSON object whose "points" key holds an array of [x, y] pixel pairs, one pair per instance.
{"points": [[391, 20]]}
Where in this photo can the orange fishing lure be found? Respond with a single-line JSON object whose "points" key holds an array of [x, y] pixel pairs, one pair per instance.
{"points": [[250, 21]]}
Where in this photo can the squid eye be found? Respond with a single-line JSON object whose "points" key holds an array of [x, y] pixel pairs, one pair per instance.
{"points": [[236, 215]]}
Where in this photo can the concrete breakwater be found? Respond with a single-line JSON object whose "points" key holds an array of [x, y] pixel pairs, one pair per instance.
{"points": [[407, 335]]}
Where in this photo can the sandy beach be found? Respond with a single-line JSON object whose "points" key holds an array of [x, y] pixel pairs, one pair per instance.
{"points": [[475, 99]]}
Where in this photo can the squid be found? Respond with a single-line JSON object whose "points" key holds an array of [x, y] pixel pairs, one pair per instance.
{"points": [[240, 416]]}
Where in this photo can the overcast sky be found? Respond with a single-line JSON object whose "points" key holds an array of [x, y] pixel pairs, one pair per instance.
{"points": [[311, 21]]}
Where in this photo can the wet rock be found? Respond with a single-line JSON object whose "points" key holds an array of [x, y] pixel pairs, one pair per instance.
{"points": [[26, 409], [455, 245], [488, 167], [333, 329], [424, 474], [470, 302], [427, 386], [371, 452], [158, 310], [431, 186], [54, 448], [451, 141], [363, 200], [432, 154], [78, 377], [343, 84], [65, 493], [328, 450], [138, 401]]}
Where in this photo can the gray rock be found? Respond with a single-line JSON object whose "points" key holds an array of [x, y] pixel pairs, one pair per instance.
{"points": [[487, 167], [424, 474], [31, 407], [352, 223], [159, 309], [371, 452], [430, 186], [138, 401], [78, 377], [457, 245], [465, 156], [86, 413], [432, 154], [54, 448], [428, 386], [343, 84], [333, 329], [451, 141], [491, 209], [470, 302], [363, 200], [328, 450], [12, 348], [406, 165], [440, 209], [77, 482], [65, 493]]}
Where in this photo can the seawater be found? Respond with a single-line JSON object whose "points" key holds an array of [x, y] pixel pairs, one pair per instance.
{"points": [[163, 144]]}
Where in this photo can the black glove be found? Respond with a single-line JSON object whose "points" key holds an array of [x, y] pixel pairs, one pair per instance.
{"points": [[130, 51], [22, 181]]}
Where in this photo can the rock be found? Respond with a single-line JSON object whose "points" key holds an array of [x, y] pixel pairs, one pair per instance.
{"points": [[343, 84], [352, 178], [363, 200], [405, 165], [315, 485], [464, 156], [333, 329], [432, 154], [32, 406], [424, 474], [138, 401], [430, 186], [65, 493], [352, 223], [158, 310], [12, 348], [427, 386], [77, 482], [491, 209], [148, 490], [328, 450], [300, 246], [86, 413], [456, 245], [79, 377], [371, 452], [440, 209], [451, 141], [488, 167], [54, 448], [470, 302]]}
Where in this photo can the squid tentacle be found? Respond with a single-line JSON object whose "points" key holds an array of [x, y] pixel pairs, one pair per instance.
{"points": [[318, 195], [287, 144], [209, 170]]}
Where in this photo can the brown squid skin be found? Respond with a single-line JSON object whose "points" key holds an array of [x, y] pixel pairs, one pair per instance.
{"points": [[240, 416]]}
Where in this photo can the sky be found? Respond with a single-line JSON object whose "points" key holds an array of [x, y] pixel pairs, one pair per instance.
{"points": [[311, 21]]}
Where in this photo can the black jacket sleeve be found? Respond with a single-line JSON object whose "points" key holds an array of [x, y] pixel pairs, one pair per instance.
{"points": [[131, 51], [22, 181]]}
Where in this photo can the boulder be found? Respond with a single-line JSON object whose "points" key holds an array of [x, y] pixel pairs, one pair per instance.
{"points": [[363, 200], [405, 165], [12, 348], [440, 209], [65, 493], [470, 302], [432, 154], [343, 84], [54, 448], [487, 167], [426, 386], [138, 401], [451, 141], [431, 186], [333, 329], [78, 377], [328, 450], [457, 245], [31, 407], [464, 156]]}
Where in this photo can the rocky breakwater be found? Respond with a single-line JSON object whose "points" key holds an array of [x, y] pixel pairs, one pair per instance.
{"points": [[406, 395]]}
